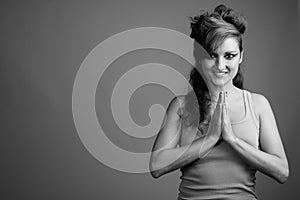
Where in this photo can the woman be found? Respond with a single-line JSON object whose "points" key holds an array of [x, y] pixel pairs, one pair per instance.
{"points": [[219, 142]]}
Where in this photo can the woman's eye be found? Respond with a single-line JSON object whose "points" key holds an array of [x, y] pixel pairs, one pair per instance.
{"points": [[213, 55], [230, 56]]}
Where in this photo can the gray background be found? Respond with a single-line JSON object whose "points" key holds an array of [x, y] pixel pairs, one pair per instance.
{"points": [[42, 44]]}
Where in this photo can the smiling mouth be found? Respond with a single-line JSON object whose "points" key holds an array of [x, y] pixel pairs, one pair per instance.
{"points": [[221, 72]]}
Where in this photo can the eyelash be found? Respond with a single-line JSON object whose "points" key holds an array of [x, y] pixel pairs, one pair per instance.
{"points": [[227, 56]]}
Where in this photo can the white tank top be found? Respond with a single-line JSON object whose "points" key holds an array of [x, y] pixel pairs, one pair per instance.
{"points": [[222, 174]]}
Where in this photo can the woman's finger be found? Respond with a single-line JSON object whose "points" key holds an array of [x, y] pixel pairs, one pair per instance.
{"points": [[220, 98], [223, 112], [225, 97], [226, 104]]}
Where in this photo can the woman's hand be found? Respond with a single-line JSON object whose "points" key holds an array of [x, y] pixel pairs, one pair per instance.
{"points": [[215, 125], [227, 132]]}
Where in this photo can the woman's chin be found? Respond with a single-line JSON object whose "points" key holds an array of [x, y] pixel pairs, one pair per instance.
{"points": [[219, 83]]}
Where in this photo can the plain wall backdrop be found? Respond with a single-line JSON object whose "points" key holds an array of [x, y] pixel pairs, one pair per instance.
{"points": [[43, 43]]}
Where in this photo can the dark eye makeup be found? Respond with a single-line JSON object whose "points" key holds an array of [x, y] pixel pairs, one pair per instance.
{"points": [[213, 55], [230, 55], [227, 55]]}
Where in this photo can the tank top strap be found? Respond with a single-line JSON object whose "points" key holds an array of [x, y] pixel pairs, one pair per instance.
{"points": [[251, 109]]}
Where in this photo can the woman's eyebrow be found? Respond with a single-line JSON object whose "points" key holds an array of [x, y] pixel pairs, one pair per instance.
{"points": [[231, 51]]}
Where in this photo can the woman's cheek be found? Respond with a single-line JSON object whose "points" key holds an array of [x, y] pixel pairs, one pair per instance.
{"points": [[234, 71]]}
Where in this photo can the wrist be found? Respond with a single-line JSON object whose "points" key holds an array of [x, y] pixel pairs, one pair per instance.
{"points": [[231, 140], [213, 137]]}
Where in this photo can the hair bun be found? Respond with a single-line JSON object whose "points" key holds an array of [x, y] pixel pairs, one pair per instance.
{"points": [[232, 17], [199, 26]]}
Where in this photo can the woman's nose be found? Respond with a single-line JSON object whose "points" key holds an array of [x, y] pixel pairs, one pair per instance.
{"points": [[220, 64]]}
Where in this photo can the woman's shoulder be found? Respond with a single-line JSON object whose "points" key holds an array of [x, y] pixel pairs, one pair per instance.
{"points": [[259, 99], [187, 103], [177, 103], [260, 102]]}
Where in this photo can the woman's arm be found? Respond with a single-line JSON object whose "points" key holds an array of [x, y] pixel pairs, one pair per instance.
{"points": [[271, 159], [166, 156], [168, 160]]}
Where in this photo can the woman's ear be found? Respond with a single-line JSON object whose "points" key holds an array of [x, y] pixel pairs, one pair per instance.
{"points": [[241, 57]]}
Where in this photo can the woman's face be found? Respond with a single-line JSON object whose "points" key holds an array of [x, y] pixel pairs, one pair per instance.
{"points": [[219, 68]]}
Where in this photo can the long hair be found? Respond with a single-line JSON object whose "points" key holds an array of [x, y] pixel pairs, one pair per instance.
{"points": [[210, 30]]}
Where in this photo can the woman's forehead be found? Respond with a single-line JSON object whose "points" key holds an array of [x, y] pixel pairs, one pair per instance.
{"points": [[229, 44]]}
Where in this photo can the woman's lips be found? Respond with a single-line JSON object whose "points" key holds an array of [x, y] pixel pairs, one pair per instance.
{"points": [[221, 73]]}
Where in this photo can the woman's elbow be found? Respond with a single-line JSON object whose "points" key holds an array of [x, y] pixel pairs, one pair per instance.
{"points": [[153, 169], [284, 175], [155, 173], [155, 165]]}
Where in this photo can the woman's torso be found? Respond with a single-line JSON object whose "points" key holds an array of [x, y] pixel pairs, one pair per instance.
{"points": [[222, 174]]}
